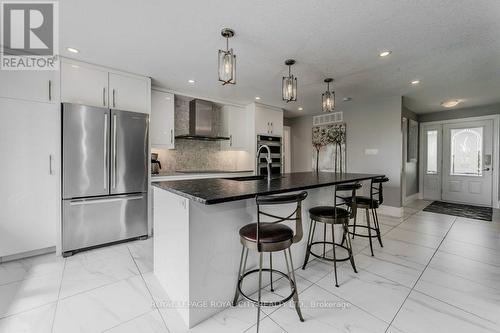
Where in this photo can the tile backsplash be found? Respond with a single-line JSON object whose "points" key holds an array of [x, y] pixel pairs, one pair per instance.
{"points": [[198, 155]]}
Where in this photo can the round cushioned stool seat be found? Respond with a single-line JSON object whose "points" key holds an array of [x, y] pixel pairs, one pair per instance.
{"points": [[326, 214], [268, 232]]}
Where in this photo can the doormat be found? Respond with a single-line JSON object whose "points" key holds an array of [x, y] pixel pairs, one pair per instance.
{"points": [[468, 211]]}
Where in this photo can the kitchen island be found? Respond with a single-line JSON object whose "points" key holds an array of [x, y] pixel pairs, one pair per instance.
{"points": [[196, 224]]}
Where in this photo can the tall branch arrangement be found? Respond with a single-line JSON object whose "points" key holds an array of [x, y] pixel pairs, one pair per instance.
{"points": [[326, 135]]}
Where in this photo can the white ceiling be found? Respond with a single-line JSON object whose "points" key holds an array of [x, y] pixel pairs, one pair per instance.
{"points": [[451, 46]]}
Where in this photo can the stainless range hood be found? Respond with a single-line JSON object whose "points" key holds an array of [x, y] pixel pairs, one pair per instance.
{"points": [[201, 122]]}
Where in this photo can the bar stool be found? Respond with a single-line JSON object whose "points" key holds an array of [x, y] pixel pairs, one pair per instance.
{"points": [[271, 237], [333, 215], [370, 203]]}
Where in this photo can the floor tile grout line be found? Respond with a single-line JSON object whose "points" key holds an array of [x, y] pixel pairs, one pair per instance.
{"points": [[454, 306], [420, 276], [127, 321], [58, 295], [475, 260], [149, 291]]}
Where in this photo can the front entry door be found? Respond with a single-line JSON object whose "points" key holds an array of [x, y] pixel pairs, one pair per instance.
{"points": [[467, 162]]}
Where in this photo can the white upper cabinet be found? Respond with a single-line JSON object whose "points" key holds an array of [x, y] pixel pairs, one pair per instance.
{"points": [[268, 120], [36, 86], [128, 93], [84, 85], [97, 86], [235, 126], [162, 121]]}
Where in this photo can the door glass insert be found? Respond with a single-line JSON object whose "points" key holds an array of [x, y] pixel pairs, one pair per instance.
{"points": [[466, 151], [432, 157]]}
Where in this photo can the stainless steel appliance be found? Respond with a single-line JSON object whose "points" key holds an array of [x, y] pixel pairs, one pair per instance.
{"points": [[202, 122], [104, 176], [155, 164], [275, 147]]}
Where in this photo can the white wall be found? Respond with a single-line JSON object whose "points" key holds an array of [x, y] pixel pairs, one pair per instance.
{"points": [[370, 124]]}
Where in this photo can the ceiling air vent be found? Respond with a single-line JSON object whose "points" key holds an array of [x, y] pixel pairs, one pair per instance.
{"points": [[329, 118]]}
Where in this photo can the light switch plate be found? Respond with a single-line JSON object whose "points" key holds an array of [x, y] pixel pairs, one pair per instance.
{"points": [[371, 151]]}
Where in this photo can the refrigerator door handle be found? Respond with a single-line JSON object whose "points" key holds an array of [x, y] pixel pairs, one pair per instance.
{"points": [[79, 202], [113, 165], [105, 157]]}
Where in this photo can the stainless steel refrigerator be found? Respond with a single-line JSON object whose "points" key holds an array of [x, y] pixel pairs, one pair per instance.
{"points": [[104, 176]]}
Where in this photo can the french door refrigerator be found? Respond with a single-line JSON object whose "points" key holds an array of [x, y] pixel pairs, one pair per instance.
{"points": [[104, 176]]}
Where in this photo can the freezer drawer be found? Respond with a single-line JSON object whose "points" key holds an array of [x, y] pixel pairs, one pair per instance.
{"points": [[101, 220]]}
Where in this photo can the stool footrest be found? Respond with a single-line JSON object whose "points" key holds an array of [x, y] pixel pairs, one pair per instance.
{"points": [[365, 227], [326, 258], [275, 303]]}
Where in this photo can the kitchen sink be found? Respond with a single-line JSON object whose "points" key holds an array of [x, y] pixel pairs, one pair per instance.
{"points": [[248, 178]]}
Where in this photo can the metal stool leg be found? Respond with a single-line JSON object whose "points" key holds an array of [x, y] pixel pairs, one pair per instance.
{"points": [[260, 291], [334, 255], [293, 284], [309, 241], [378, 227], [354, 224], [271, 270], [349, 246], [324, 240], [369, 229], [241, 271]]}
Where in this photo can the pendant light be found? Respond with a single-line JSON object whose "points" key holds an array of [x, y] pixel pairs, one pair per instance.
{"points": [[227, 60], [289, 84], [328, 97]]}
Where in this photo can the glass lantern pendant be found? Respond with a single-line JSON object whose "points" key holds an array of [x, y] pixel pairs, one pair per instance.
{"points": [[289, 84], [227, 60], [328, 97]]}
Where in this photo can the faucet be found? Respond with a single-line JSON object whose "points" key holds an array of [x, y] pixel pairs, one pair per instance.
{"points": [[268, 159]]}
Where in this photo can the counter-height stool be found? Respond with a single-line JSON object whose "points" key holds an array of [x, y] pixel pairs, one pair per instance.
{"points": [[269, 237], [333, 215], [370, 203]]}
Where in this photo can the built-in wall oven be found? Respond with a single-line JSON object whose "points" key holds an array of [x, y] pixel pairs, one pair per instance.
{"points": [[275, 145]]}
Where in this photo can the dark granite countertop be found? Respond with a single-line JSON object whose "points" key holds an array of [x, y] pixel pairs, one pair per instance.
{"points": [[219, 190]]}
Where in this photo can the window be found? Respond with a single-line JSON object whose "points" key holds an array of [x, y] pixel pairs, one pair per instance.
{"points": [[432, 156], [467, 151]]}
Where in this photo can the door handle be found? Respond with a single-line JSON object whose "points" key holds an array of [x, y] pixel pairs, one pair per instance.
{"points": [[486, 169], [114, 152], [171, 136], [80, 202], [51, 171], [105, 157], [114, 104], [50, 90]]}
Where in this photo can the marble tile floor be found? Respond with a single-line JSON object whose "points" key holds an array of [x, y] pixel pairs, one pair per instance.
{"points": [[435, 273]]}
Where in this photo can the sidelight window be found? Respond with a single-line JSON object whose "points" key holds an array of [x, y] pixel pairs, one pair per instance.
{"points": [[432, 152]]}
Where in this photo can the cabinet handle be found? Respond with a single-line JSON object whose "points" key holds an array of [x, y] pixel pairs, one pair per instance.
{"points": [[230, 140], [50, 90], [51, 172], [114, 104], [104, 96], [272, 127], [171, 136], [268, 128]]}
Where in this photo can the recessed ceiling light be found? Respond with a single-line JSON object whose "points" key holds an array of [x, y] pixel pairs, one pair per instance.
{"points": [[257, 97], [450, 103], [347, 99], [72, 50], [385, 53], [301, 108], [191, 81], [415, 82]]}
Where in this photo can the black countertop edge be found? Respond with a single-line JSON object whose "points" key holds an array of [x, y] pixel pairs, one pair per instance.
{"points": [[166, 185]]}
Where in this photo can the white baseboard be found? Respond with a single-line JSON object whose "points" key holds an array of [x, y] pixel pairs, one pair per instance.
{"points": [[391, 211], [28, 254]]}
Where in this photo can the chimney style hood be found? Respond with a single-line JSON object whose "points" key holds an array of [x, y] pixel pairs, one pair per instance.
{"points": [[201, 122]]}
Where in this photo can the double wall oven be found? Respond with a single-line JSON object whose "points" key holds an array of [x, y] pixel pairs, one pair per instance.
{"points": [[275, 145]]}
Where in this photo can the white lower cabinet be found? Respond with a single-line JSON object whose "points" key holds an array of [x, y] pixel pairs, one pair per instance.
{"points": [[29, 191]]}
